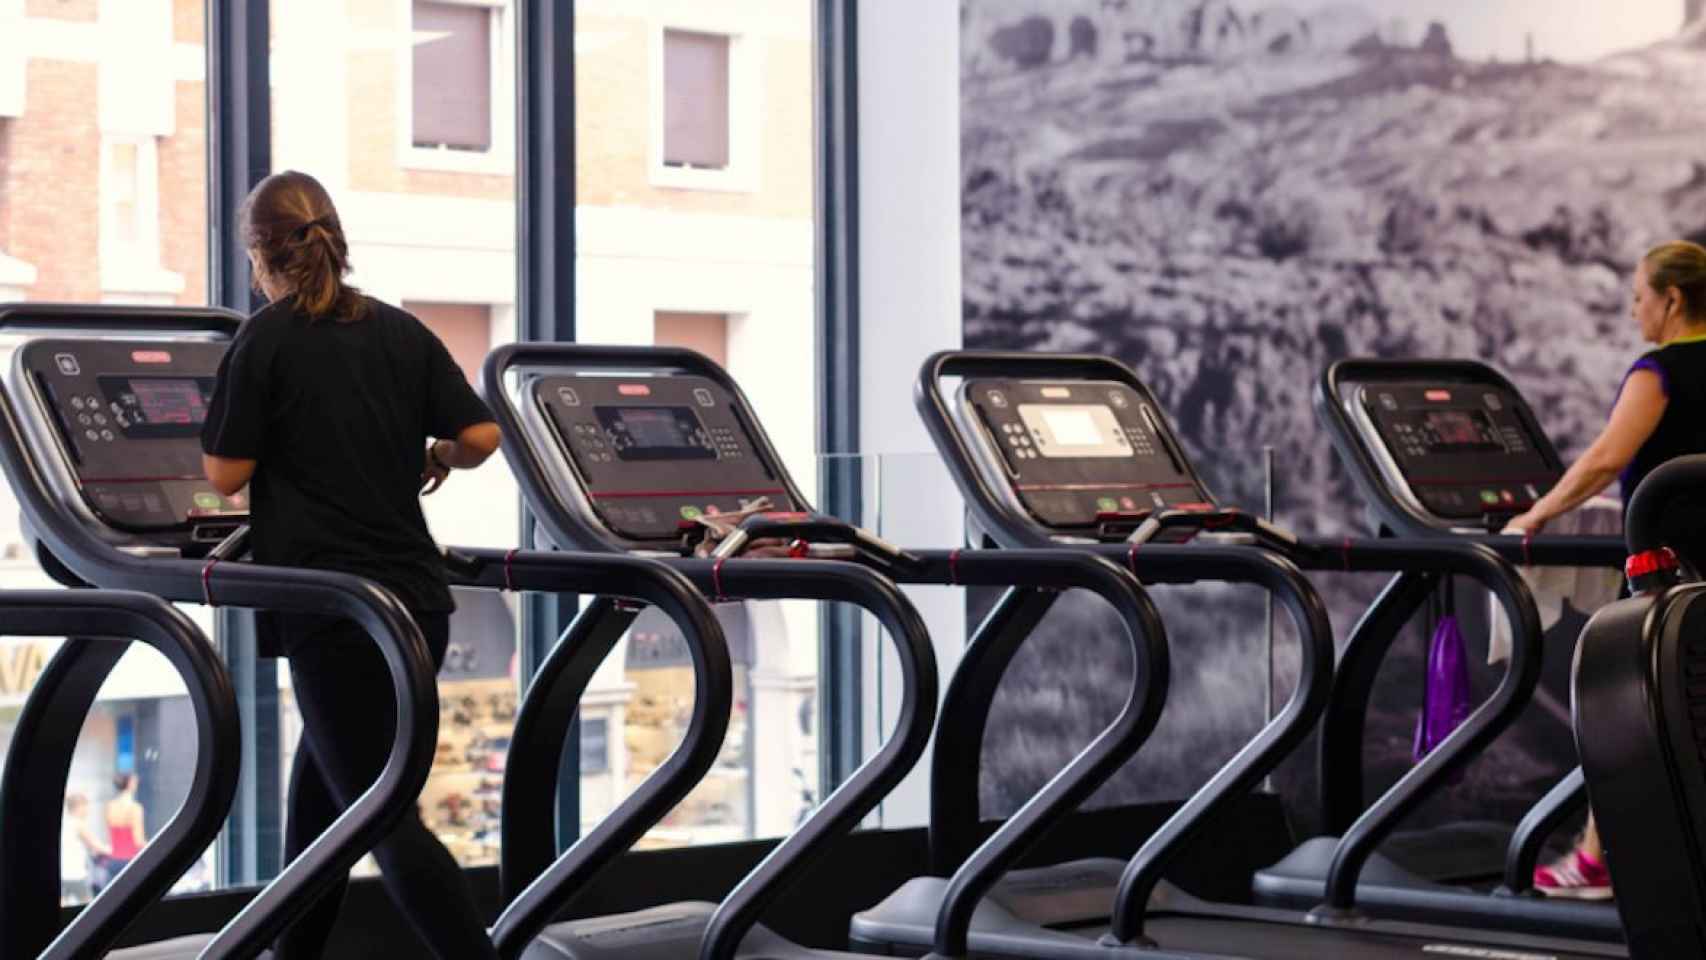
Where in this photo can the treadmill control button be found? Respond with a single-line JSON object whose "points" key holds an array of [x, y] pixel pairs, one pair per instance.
{"points": [[100, 419], [997, 399], [569, 397], [1117, 398], [1489, 497], [92, 401], [67, 364], [83, 419], [76, 403], [690, 512], [1107, 504], [703, 397], [1492, 400], [92, 435], [107, 435], [206, 501]]}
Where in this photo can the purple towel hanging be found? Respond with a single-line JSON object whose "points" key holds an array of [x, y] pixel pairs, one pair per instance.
{"points": [[1445, 701]]}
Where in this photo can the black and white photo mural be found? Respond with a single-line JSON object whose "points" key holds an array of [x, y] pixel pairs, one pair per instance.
{"points": [[1230, 194]]}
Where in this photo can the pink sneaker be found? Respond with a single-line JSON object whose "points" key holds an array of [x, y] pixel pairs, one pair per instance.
{"points": [[1576, 876]]}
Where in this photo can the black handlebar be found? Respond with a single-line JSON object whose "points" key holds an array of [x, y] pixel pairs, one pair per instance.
{"points": [[547, 888], [965, 713], [99, 626], [52, 318], [841, 811], [377, 810]]}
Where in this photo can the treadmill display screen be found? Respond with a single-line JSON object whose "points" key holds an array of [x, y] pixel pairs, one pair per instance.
{"points": [[656, 433], [1458, 451], [1075, 430], [1461, 431], [162, 400]]}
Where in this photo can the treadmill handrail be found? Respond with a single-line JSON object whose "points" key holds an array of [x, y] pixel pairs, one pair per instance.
{"points": [[1643, 527], [562, 524], [1267, 749], [840, 812], [1481, 727], [377, 610], [562, 679], [74, 318], [959, 737], [99, 625]]}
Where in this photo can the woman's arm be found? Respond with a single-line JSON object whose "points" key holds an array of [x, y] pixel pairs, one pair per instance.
{"points": [[1633, 420], [92, 842], [227, 474], [471, 447]]}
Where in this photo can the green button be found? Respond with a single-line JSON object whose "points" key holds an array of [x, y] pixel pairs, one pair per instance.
{"points": [[1489, 497], [207, 501], [689, 513], [1107, 504]]}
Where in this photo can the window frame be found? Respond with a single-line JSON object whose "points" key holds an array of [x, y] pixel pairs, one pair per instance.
{"points": [[131, 271], [746, 113], [500, 159]]}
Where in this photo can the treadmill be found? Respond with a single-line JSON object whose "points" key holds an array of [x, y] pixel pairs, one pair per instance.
{"points": [[618, 449], [1639, 704], [1111, 478], [119, 500], [100, 625], [1443, 450]]}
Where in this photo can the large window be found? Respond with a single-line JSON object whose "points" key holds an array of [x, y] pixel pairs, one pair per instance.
{"points": [[103, 189], [426, 193], [695, 230], [694, 178]]}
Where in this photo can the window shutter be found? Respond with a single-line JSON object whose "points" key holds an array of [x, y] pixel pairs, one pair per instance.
{"points": [[696, 100], [453, 76]]}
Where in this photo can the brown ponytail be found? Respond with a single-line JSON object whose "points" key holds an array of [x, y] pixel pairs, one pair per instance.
{"points": [[290, 223]]}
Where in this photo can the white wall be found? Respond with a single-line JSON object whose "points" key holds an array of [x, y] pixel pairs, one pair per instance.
{"points": [[909, 290]]}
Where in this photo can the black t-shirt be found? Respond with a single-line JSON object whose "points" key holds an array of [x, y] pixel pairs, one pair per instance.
{"points": [[1681, 366], [337, 416]]}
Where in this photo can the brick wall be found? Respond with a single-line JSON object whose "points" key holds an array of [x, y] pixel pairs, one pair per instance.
{"points": [[183, 194], [54, 181], [50, 187]]}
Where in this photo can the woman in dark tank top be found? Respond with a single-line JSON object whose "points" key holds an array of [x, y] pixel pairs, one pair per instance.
{"points": [[1660, 414]]}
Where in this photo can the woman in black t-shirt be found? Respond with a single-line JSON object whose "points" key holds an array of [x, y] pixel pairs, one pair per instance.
{"points": [[323, 407], [1660, 414]]}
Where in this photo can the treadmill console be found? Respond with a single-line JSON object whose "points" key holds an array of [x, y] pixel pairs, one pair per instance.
{"points": [[1456, 451], [125, 417], [1079, 453], [653, 453]]}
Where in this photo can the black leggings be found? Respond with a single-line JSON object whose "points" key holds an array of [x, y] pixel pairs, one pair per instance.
{"points": [[348, 717]]}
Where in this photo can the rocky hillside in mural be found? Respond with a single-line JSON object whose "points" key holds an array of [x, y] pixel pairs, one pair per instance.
{"points": [[1230, 196]]}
